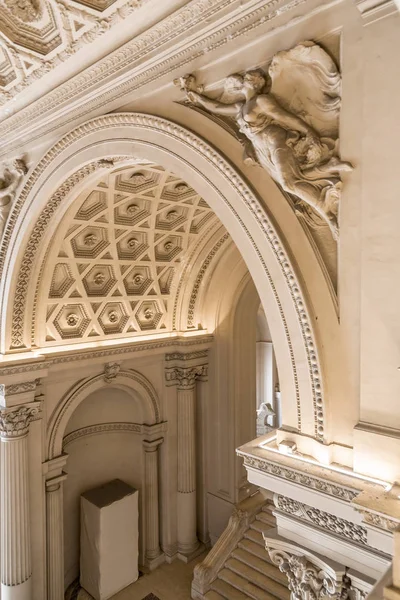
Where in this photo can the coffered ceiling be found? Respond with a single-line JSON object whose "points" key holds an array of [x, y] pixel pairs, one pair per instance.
{"points": [[121, 255]]}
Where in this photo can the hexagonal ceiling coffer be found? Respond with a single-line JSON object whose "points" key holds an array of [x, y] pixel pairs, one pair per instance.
{"points": [[99, 280], [136, 182], [71, 321], [132, 211], [177, 191], [171, 218], [113, 318], [168, 248], [132, 245], [148, 315], [89, 242], [138, 280]]}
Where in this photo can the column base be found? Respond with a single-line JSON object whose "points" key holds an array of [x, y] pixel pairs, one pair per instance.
{"points": [[152, 563], [17, 592], [190, 555]]}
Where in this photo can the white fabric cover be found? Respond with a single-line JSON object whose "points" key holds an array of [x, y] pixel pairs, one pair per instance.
{"points": [[109, 539]]}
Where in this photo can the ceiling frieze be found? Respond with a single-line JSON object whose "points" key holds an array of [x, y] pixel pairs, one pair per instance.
{"points": [[138, 63]]}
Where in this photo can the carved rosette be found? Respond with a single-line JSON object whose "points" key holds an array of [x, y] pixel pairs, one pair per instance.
{"points": [[185, 378], [305, 580], [15, 423]]}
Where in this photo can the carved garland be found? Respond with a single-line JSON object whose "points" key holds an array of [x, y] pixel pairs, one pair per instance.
{"points": [[69, 400], [247, 196]]}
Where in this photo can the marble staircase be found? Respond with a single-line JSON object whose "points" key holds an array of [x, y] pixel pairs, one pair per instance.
{"points": [[238, 567]]}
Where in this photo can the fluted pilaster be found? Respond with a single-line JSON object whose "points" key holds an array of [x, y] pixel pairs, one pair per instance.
{"points": [[151, 500], [186, 440], [55, 538], [16, 569]]}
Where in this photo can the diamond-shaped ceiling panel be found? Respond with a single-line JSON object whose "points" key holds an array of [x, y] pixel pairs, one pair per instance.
{"points": [[122, 256]]}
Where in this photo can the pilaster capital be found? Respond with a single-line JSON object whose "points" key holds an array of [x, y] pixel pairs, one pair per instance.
{"points": [[14, 422], [185, 377], [152, 446], [54, 484]]}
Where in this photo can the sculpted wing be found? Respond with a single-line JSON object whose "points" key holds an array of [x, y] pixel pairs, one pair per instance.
{"points": [[306, 81]]}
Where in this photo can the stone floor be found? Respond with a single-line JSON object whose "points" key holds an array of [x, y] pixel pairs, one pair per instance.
{"points": [[168, 582]]}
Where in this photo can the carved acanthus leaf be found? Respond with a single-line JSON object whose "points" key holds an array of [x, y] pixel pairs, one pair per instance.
{"points": [[15, 422], [185, 378]]}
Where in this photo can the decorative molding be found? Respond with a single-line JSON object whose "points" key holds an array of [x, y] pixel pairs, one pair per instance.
{"points": [[375, 10], [102, 428], [216, 160], [200, 276], [108, 352], [18, 388], [379, 521], [15, 422], [321, 519], [12, 174], [185, 378], [186, 356], [320, 485], [111, 371]]}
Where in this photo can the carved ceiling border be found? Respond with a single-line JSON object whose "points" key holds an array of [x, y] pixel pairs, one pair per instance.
{"points": [[177, 132], [138, 49]]}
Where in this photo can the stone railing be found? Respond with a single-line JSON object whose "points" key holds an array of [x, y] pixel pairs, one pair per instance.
{"points": [[206, 572]]}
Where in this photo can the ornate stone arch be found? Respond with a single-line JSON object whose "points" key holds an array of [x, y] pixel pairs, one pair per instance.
{"points": [[82, 154], [129, 380]]}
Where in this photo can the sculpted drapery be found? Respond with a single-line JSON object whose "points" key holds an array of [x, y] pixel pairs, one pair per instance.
{"points": [[289, 118]]}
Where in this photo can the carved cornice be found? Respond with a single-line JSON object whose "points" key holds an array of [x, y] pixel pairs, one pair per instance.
{"points": [[216, 161], [133, 55], [186, 356], [321, 519], [108, 352], [185, 378], [15, 422], [18, 388], [320, 485]]}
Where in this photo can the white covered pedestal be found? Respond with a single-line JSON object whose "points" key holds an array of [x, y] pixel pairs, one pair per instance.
{"points": [[109, 539]]}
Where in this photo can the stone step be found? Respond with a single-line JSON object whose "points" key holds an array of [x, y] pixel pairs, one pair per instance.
{"points": [[212, 595], [259, 526], [261, 564], [255, 536], [244, 586], [261, 580], [267, 518], [225, 590]]}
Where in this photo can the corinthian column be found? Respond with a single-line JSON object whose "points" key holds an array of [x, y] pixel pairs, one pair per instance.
{"points": [[16, 567], [185, 378], [153, 551]]}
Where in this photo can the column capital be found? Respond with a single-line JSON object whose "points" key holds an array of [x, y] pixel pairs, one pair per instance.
{"points": [[14, 422], [54, 484], [151, 446], [185, 377]]}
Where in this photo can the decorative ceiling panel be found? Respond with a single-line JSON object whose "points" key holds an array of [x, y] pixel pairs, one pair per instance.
{"points": [[125, 246], [36, 36]]}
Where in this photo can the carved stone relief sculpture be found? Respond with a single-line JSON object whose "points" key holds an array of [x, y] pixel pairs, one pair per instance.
{"points": [[288, 120], [10, 179]]}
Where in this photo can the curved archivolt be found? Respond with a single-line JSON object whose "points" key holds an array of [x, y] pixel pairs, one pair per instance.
{"points": [[118, 257]]}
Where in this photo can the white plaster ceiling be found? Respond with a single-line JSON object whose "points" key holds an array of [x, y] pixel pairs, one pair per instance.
{"points": [[118, 258]]}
